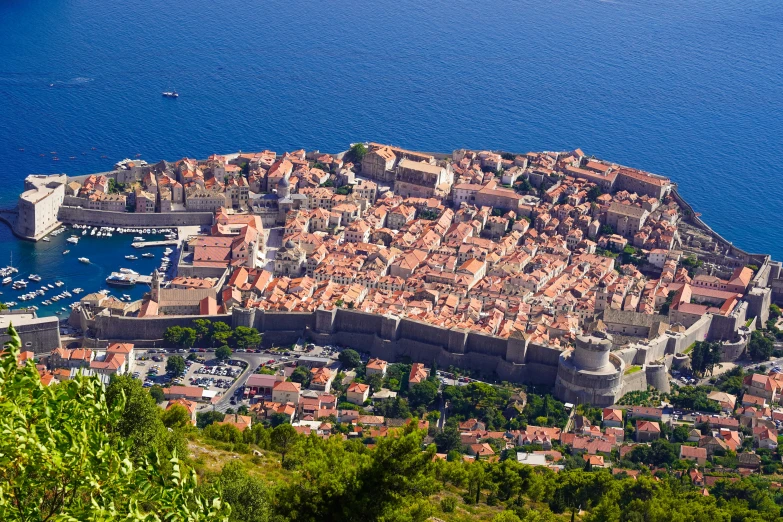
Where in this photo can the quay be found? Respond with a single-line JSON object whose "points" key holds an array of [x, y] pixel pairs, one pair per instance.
{"points": [[144, 244]]}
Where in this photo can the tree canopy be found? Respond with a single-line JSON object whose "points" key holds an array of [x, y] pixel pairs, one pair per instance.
{"points": [[60, 457], [349, 358]]}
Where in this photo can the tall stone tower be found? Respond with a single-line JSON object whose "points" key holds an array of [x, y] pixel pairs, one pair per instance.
{"points": [[283, 188], [155, 290]]}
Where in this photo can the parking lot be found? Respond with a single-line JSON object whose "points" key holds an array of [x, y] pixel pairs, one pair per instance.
{"points": [[206, 372]]}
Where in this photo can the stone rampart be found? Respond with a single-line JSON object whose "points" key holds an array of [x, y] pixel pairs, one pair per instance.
{"points": [[103, 218], [119, 328]]}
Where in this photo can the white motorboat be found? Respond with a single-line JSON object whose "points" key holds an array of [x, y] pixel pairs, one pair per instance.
{"points": [[84, 260]]}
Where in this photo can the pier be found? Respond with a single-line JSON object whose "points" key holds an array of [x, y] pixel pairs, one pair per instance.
{"points": [[144, 244]]}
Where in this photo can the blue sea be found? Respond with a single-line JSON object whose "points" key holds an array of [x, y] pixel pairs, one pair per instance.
{"points": [[692, 90]]}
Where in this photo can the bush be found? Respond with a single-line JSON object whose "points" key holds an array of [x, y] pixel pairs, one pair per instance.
{"points": [[448, 504]]}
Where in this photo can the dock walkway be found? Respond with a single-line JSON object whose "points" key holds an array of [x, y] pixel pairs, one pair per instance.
{"points": [[144, 244]]}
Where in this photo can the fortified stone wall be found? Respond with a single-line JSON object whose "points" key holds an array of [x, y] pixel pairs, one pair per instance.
{"points": [[698, 331], [104, 218], [39, 335], [129, 328], [634, 382]]}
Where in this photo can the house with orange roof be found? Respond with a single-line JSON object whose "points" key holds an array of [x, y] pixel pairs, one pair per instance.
{"points": [[418, 374], [698, 455], [357, 393], [647, 431], [376, 366], [612, 417], [321, 379], [284, 392], [479, 451], [240, 422]]}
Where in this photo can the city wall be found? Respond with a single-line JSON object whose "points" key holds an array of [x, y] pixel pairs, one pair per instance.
{"points": [[106, 218]]}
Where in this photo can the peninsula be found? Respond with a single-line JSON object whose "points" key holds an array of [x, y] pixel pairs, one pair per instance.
{"points": [[548, 268]]}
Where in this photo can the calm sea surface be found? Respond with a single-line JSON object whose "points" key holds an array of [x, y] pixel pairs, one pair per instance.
{"points": [[692, 90]]}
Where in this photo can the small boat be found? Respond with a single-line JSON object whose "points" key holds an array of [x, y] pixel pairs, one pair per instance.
{"points": [[73, 239], [148, 254], [34, 277], [84, 260], [66, 252], [138, 238], [170, 94], [131, 257], [128, 271], [7, 280], [46, 239], [57, 283]]}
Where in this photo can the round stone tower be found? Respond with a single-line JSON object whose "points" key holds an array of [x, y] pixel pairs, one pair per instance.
{"points": [[592, 353], [590, 373]]}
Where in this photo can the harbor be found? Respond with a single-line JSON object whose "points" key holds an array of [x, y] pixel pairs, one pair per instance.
{"points": [[50, 276]]}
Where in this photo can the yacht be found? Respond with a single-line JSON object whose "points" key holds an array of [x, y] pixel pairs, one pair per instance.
{"points": [[73, 239], [128, 271], [57, 283], [170, 94], [46, 239], [7, 280], [84, 260], [66, 252], [148, 254], [34, 277], [131, 257], [138, 238], [78, 290]]}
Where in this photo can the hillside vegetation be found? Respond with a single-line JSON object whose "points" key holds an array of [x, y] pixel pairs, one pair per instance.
{"points": [[77, 451]]}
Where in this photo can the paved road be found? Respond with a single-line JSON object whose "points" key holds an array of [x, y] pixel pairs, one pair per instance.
{"points": [[273, 242], [253, 360]]}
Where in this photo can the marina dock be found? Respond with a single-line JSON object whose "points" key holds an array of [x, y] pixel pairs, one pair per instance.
{"points": [[144, 244]]}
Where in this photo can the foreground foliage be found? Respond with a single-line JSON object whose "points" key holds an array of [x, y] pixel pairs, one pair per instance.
{"points": [[60, 458]]}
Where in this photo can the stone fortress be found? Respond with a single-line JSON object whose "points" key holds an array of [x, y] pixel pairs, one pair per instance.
{"points": [[617, 353]]}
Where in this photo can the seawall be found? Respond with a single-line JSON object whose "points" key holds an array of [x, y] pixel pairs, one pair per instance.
{"points": [[92, 217]]}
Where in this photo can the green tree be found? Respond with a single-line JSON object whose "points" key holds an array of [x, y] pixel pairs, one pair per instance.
{"points": [[301, 375], [760, 347], [391, 482], [448, 439], [139, 425], [594, 193], [375, 381], [283, 438], [349, 358], [223, 353], [61, 459], [173, 335], [423, 393], [204, 419], [202, 328], [221, 333], [175, 364], [188, 338], [244, 337], [357, 152], [279, 418], [157, 393], [247, 495], [177, 416]]}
